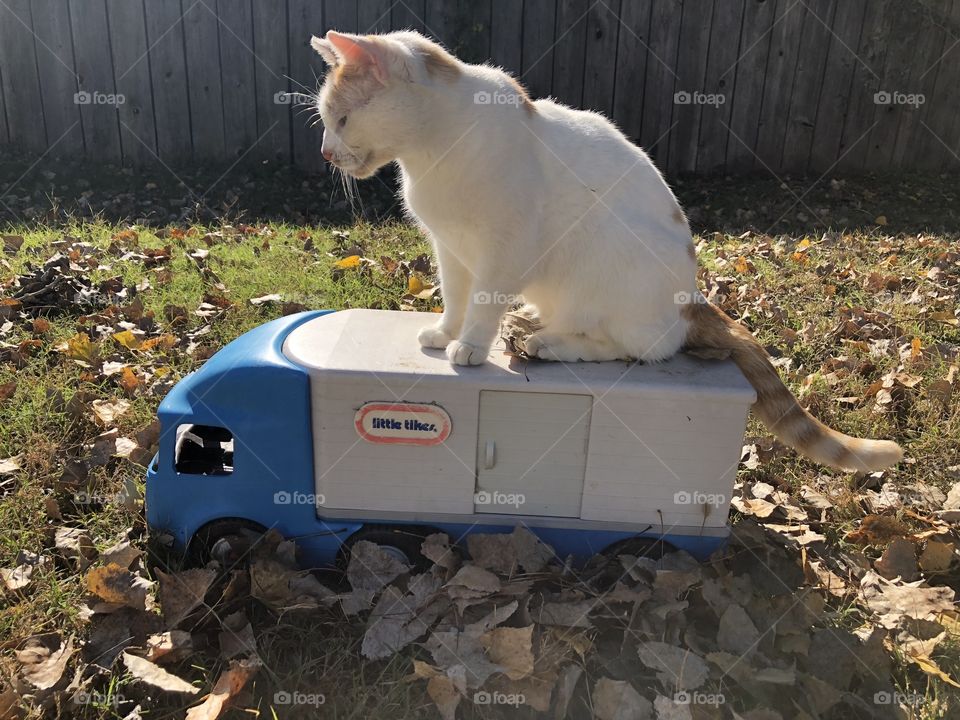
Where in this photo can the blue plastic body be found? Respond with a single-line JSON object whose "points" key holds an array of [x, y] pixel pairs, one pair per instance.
{"points": [[251, 389]]}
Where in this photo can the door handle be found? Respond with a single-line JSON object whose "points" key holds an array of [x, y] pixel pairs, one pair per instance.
{"points": [[489, 454]]}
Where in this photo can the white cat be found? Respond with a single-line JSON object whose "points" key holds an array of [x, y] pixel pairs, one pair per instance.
{"points": [[538, 201]]}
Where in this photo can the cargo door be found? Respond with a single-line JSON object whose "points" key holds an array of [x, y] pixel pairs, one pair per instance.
{"points": [[532, 453]]}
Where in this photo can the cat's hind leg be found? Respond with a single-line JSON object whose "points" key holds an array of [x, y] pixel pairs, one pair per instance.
{"points": [[571, 347]]}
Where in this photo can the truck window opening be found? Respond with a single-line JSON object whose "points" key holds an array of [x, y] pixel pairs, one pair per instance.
{"points": [[204, 450]]}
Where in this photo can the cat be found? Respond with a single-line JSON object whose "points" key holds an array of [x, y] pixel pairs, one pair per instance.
{"points": [[535, 200]]}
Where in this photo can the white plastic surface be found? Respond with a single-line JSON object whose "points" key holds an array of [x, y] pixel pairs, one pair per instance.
{"points": [[656, 432]]}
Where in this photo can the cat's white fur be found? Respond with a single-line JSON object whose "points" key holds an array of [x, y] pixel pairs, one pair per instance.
{"points": [[520, 199], [554, 205]]}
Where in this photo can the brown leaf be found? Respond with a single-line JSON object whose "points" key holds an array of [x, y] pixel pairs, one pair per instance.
{"points": [[511, 648], [675, 666], [151, 674], [181, 593], [7, 390], [371, 567], [169, 647], [228, 685], [114, 584], [75, 545], [44, 659], [898, 560], [893, 602], [445, 695], [107, 411], [878, 530], [617, 700]]}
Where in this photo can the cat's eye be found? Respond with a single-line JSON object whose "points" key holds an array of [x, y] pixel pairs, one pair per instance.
{"points": [[342, 122]]}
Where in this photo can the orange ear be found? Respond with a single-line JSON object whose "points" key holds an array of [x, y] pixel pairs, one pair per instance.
{"points": [[359, 50]]}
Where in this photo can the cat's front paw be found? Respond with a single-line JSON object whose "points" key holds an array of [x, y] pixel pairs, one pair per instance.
{"points": [[433, 337], [461, 353]]}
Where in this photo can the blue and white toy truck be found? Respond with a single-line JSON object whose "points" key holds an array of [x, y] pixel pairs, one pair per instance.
{"points": [[337, 426]]}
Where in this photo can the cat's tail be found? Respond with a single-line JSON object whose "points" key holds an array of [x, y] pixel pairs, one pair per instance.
{"points": [[776, 406]]}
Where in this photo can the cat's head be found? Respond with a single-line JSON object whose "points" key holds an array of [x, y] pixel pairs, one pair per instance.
{"points": [[368, 104]]}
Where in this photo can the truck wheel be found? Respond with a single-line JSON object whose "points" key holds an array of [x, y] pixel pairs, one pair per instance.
{"points": [[399, 541], [227, 541]]}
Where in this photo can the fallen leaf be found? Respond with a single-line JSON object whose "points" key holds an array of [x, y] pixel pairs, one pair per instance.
{"points": [[108, 411], [115, 584], [617, 700], [348, 263], [371, 567], [676, 667], [511, 648], [44, 658], [893, 602], [936, 556], [182, 592], [228, 685], [154, 675], [898, 560]]}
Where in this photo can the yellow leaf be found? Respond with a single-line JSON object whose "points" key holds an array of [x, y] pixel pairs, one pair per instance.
{"points": [[414, 285], [127, 339], [931, 668], [881, 220], [916, 349], [79, 347], [128, 380], [803, 245], [348, 263], [741, 265], [163, 341]]}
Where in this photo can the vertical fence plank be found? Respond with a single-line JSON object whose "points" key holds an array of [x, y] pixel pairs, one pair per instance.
{"points": [[903, 50], [506, 34], [539, 21], [661, 80], [131, 65], [168, 73], [632, 58], [808, 80], [691, 75], [408, 15], [58, 77], [21, 82], [274, 101], [569, 52], [725, 46], [340, 15], [4, 135], [923, 76], [600, 63], [463, 26], [835, 94], [746, 75], [373, 16], [237, 77], [201, 36], [942, 125], [781, 63], [101, 129], [867, 76], [306, 68]]}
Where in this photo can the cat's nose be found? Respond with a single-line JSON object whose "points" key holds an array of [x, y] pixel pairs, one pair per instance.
{"points": [[327, 154]]}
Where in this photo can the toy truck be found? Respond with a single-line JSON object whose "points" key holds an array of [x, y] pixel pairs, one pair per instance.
{"points": [[337, 426]]}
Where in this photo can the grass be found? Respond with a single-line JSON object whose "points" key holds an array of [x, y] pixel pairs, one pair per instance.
{"points": [[792, 286]]}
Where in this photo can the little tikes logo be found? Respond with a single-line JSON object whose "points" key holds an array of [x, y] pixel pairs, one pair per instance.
{"points": [[402, 423]]}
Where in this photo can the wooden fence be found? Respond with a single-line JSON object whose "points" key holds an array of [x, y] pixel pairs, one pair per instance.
{"points": [[706, 86]]}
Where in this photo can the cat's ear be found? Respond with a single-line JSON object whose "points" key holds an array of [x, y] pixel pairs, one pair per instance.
{"points": [[325, 49], [360, 50]]}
